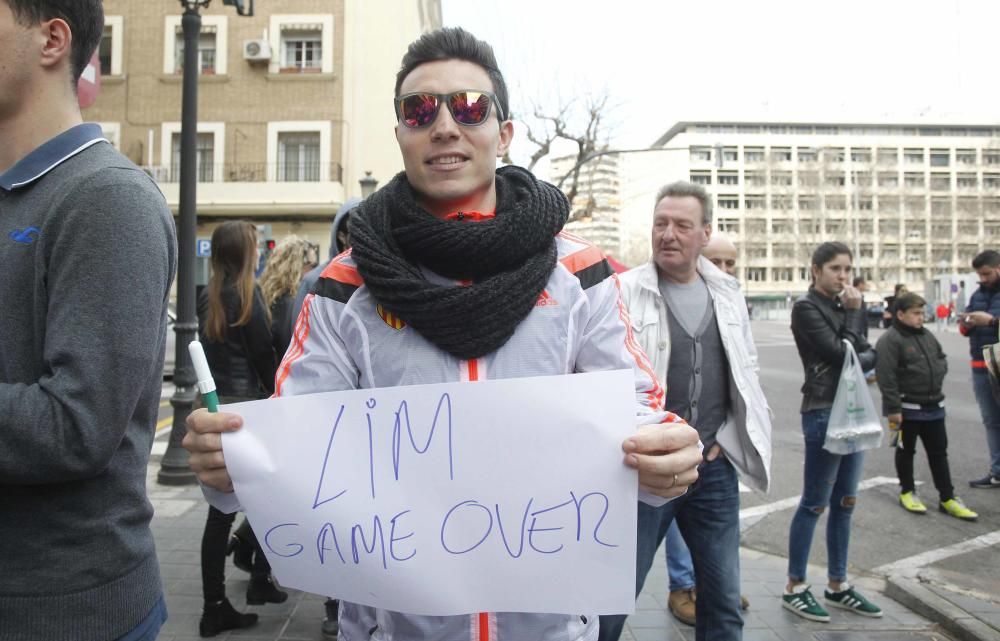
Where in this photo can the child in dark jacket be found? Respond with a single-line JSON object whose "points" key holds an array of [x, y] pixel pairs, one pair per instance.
{"points": [[911, 368]]}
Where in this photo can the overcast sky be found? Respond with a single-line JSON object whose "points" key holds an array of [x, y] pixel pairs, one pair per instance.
{"points": [[662, 61]]}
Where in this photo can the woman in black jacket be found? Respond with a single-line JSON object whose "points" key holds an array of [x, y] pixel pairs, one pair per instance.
{"points": [[821, 320], [234, 326]]}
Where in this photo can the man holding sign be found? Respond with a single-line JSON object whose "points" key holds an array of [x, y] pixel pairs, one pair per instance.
{"points": [[460, 272]]}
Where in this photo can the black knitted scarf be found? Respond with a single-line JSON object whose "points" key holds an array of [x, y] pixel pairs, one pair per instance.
{"points": [[508, 258]]}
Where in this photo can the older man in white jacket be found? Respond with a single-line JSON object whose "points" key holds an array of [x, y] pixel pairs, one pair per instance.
{"points": [[692, 322]]}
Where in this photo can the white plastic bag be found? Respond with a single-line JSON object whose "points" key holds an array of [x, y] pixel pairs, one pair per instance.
{"points": [[854, 424]]}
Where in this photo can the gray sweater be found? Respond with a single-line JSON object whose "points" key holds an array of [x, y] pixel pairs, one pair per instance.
{"points": [[88, 253]]}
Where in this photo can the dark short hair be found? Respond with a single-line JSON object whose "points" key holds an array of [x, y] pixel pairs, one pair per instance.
{"points": [[455, 43], [858, 280], [683, 189], [828, 251], [84, 17], [988, 258], [908, 301]]}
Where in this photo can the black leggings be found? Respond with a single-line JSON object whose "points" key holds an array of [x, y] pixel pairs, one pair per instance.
{"points": [[935, 439], [213, 555]]}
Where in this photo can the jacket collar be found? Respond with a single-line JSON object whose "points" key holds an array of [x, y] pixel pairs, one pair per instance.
{"points": [[50, 155], [715, 278]]}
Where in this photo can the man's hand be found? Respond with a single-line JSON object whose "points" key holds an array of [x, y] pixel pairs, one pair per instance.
{"points": [[895, 419], [851, 297], [977, 319], [666, 456], [204, 441]]}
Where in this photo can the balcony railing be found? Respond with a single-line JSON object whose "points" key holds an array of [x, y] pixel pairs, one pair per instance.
{"points": [[253, 172]]}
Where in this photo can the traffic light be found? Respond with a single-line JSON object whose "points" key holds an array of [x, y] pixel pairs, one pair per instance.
{"points": [[243, 7]]}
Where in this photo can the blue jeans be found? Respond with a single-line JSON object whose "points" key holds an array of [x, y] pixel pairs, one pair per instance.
{"points": [[680, 566], [828, 480], [149, 628], [709, 514], [990, 411]]}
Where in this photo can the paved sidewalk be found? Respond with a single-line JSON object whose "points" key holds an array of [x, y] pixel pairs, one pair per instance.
{"points": [[180, 517]]}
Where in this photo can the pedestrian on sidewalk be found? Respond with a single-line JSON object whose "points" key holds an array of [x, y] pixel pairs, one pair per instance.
{"points": [[941, 314], [453, 237], [981, 323], [683, 593], [234, 328], [911, 369], [829, 313], [692, 319], [88, 254], [290, 261]]}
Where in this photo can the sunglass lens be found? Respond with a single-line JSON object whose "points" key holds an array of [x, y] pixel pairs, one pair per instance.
{"points": [[419, 110], [470, 107]]}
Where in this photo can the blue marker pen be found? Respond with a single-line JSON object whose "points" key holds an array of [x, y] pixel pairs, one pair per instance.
{"points": [[206, 385]]}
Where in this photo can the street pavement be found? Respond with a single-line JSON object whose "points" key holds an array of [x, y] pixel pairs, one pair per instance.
{"points": [[935, 577]]}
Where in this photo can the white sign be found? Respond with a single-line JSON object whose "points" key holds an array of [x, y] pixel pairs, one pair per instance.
{"points": [[508, 495]]}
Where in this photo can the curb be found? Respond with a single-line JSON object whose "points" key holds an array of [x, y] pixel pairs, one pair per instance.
{"points": [[956, 621]]}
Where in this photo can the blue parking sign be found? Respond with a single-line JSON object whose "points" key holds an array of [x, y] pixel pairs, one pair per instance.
{"points": [[203, 248]]}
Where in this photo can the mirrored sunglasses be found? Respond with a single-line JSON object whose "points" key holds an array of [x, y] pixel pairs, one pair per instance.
{"points": [[467, 107]]}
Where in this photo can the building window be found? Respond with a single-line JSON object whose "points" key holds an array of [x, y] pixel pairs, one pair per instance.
{"points": [[783, 274], [754, 178], [206, 53], [834, 179], [109, 51], [888, 227], [835, 202], [913, 179], [864, 204], [302, 51], [701, 154], [836, 227], [781, 178], [866, 227], [966, 181], [916, 205], [991, 205], [212, 43], [866, 251], [991, 157], [205, 155], [701, 177], [861, 154], [757, 252], [780, 226], [808, 178], [756, 227], [833, 154], [303, 43], [729, 178], [889, 204], [965, 156], [781, 202], [913, 156], [754, 202], [940, 182], [753, 154], [781, 154], [887, 156], [941, 207], [940, 158], [729, 225], [729, 202], [888, 179], [968, 205], [941, 231], [991, 181], [914, 275], [756, 274], [861, 178], [806, 154], [730, 154], [808, 203], [914, 230], [298, 157], [991, 230]]}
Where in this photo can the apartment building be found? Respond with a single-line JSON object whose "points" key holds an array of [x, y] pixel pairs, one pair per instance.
{"points": [[912, 201], [596, 207], [295, 103]]}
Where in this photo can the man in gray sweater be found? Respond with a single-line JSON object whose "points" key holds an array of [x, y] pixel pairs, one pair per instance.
{"points": [[88, 253]]}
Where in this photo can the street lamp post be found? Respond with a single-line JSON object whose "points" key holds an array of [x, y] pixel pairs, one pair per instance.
{"points": [[174, 469], [368, 185]]}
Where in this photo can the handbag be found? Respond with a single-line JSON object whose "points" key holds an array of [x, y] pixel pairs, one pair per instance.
{"points": [[991, 356], [854, 424]]}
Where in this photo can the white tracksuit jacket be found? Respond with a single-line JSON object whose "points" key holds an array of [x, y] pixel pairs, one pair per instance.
{"points": [[344, 340]]}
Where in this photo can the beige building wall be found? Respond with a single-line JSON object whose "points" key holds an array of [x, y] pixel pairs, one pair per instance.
{"points": [[248, 108]]}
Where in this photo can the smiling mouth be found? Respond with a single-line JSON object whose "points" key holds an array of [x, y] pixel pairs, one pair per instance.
{"points": [[446, 160]]}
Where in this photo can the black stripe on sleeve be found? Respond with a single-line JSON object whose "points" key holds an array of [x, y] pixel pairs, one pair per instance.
{"points": [[334, 289], [596, 273]]}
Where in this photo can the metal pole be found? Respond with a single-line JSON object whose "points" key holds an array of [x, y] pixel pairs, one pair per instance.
{"points": [[174, 469]]}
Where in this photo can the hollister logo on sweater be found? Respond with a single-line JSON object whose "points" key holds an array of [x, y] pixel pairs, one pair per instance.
{"points": [[25, 236], [389, 318]]}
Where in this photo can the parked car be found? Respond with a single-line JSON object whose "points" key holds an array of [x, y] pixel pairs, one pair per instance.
{"points": [[171, 350], [874, 315]]}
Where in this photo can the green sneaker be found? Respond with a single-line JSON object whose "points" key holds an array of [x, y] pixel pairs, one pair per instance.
{"points": [[802, 603], [956, 508], [911, 503], [851, 599]]}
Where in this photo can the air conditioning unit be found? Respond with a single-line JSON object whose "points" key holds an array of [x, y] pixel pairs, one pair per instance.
{"points": [[256, 50]]}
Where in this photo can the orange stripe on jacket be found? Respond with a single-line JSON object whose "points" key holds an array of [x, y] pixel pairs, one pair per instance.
{"points": [[581, 260], [655, 395], [340, 272], [297, 346]]}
